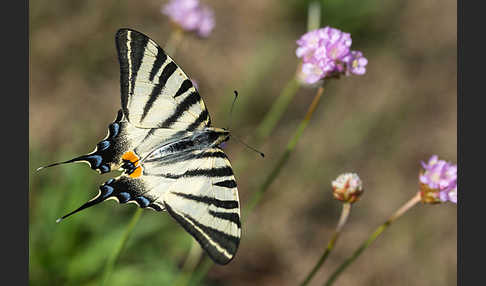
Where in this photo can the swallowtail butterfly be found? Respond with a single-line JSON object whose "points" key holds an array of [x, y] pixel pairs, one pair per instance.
{"points": [[163, 142]]}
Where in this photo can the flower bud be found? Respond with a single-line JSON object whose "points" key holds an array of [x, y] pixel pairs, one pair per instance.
{"points": [[347, 187]]}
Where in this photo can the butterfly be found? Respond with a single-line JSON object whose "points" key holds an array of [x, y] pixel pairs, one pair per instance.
{"points": [[169, 154]]}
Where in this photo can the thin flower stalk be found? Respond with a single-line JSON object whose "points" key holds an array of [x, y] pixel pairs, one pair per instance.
{"points": [[189, 265], [173, 41], [276, 111], [408, 205], [330, 246], [285, 98], [110, 264], [257, 195], [204, 268]]}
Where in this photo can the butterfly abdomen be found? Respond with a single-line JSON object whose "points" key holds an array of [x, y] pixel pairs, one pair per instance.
{"points": [[181, 147]]}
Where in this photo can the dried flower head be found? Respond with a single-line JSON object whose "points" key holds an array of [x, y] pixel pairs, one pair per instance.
{"points": [[190, 15], [326, 53], [438, 181], [347, 187]]}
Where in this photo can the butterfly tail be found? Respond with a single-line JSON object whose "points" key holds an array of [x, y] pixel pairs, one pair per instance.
{"points": [[98, 199], [94, 160], [104, 193]]}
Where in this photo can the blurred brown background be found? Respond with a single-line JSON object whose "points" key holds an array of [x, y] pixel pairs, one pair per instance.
{"points": [[380, 125]]}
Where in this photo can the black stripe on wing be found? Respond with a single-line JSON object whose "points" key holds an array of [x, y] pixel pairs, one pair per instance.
{"points": [[203, 116], [159, 61], [213, 172], [232, 217], [190, 100], [169, 69], [230, 184], [209, 238], [209, 201], [131, 47], [185, 86]]}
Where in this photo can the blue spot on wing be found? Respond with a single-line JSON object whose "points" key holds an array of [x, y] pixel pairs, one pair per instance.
{"points": [[106, 191], [123, 197], [103, 145], [142, 201], [94, 160], [114, 129], [104, 169]]}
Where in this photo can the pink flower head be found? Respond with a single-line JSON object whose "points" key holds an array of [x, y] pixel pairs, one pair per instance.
{"points": [[190, 15], [438, 181], [329, 50]]}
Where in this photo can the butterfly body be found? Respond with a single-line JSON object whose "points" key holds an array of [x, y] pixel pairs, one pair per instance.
{"points": [[167, 151]]}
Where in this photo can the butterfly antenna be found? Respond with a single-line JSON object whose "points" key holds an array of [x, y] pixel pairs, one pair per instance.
{"points": [[231, 110], [248, 146]]}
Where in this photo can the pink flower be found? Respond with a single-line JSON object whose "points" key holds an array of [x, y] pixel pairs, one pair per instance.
{"points": [[356, 63], [190, 15], [438, 181], [328, 49]]}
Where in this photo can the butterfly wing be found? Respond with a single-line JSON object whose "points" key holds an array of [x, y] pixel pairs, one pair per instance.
{"points": [[197, 189], [155, 92]]}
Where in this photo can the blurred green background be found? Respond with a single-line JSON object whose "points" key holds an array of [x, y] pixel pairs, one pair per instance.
{"points": [[380, 125]]}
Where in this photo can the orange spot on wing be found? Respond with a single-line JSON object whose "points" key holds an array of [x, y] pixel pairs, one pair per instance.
{"points": [[132, 157], [137, 173]]}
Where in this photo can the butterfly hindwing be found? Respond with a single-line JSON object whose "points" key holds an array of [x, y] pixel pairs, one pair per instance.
{"points": [[204, 200], [155, 92]]}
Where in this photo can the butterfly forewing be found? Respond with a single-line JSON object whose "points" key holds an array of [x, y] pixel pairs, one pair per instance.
{"points": [[155, 92]]}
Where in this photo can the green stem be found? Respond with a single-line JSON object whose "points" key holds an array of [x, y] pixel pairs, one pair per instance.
{"points": [[189, 265], [110, 264], [314, 16], [280, 105], [330, 246], [277, 110], [204, 268], [257, 195], [412, 202]]}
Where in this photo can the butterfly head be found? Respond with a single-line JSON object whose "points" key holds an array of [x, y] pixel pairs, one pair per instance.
{"points": [[219, 135]]}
